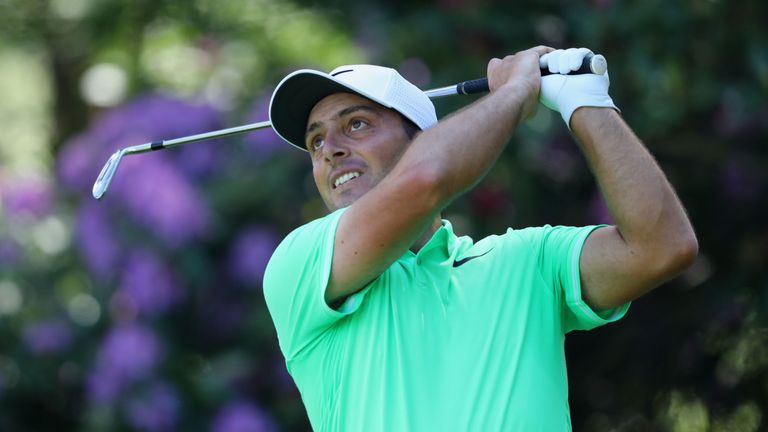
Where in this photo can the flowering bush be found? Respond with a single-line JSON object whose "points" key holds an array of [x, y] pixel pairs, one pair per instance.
{"points": [[144, 311]]}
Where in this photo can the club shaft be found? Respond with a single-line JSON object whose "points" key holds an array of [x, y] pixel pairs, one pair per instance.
{"points": [[158, 145], [592, 64]]}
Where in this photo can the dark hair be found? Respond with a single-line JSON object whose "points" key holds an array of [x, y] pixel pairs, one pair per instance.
{"points": [[409, 127]]}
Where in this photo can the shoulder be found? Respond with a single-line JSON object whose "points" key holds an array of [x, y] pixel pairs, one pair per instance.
{"points": [[534, 233], [549, 233], [543, 243], [305, 239], [302, 253]]}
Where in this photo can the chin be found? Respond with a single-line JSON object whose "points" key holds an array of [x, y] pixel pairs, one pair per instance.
{"points": [[344, 200], [336, 200]]}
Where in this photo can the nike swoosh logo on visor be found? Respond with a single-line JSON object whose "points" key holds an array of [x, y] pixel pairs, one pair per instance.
{"points": [[341, 72], [470, 258]]}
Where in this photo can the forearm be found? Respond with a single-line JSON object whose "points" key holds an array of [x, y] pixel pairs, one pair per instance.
{"points": [[461, 149], [645, 208], [439, 164]]}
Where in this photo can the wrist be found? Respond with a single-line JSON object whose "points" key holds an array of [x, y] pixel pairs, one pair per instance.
{"points": [[519, 99], [517, 90], [587, 118], [602, 103]]}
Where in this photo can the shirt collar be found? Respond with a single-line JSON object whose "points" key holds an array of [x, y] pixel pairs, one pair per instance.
{"points": [[441, 245]]}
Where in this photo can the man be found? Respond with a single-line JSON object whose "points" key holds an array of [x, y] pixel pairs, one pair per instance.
{"points": [[390, 322]]}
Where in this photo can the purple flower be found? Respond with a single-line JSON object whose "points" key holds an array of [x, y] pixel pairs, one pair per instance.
{"points": [[223, 314], [146, 118], [130, 352], [156, 409], [28, 196], [165, 117], [149, 284], [79, 162], [104, 386], [154, 189], [96, 240], [156, 194], [132, 349], [47, 337], [242, 416], [250, 253], [201, 160], [10, 252], [264, 142]]}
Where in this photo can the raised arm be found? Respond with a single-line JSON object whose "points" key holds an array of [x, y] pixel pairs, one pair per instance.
{"points": [[652, 240], [441, 163]]}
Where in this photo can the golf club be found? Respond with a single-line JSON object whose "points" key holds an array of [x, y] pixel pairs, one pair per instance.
{"points": [[591, 64]]}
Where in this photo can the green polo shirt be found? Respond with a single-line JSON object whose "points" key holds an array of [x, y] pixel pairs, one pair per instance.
{"points": [[462, 336]]}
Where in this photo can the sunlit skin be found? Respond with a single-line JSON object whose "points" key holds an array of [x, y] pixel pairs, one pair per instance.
{"points": [[348, 133]]}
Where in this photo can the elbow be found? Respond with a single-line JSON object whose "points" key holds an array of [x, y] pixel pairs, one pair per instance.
{"points": [[691, 251], [687, 251], [661, 261], [680, 255]]}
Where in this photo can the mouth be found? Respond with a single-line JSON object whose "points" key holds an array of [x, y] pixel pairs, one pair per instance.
{"points": [[346, 177]]}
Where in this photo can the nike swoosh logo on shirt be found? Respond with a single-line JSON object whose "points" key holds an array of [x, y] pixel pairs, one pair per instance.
{"points": [[469, 258]]}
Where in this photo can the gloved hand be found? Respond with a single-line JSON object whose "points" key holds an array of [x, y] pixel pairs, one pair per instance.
{"points": [[566, 93]]}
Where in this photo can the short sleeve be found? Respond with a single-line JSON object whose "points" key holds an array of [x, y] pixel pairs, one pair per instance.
{"points": [[559, 253], [294, 285]]}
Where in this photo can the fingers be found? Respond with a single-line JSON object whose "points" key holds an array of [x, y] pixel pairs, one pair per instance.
{"points": [[564, 61], [541, 50], [549, 60], [573, 58], [520, 67], [493, 66], [568, 61]]}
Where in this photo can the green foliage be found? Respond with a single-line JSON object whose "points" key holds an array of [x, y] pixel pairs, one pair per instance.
{"points": [[690, 78]]}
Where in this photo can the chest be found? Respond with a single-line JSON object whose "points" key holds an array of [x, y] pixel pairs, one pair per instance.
{"points": [[436, 305]]}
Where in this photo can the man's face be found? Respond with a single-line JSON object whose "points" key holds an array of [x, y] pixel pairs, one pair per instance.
{"points": [[353, 142]]}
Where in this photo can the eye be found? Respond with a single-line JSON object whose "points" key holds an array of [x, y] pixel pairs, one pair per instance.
{"points": [[357, 124], [316, 143]]}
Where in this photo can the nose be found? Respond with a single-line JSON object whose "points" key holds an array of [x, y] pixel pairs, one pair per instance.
{"points": [[334, 147]]}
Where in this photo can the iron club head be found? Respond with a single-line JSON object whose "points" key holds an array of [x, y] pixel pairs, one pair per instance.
{"points": [[105, 176], [598, 65]]}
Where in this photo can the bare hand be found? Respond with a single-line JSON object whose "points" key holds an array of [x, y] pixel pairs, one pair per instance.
{"points": [[520, 70]]}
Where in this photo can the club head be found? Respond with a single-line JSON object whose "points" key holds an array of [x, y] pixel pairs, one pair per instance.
{"points": [[106, 174]]}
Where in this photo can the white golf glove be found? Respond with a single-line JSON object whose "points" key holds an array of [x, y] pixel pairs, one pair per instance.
{"points": [[566, 93]]}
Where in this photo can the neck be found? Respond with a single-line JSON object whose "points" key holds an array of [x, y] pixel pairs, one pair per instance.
{"points": [[426, 235]]}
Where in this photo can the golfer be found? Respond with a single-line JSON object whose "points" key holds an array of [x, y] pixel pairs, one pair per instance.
{"points": [[388, 321]]}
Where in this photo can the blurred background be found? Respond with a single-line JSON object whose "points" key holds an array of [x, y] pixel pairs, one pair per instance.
{"points": [[144, 311]]}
